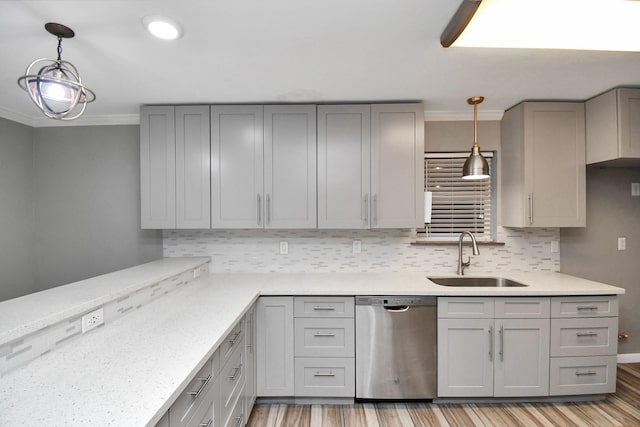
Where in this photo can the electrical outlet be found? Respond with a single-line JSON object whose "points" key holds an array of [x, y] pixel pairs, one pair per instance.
{"points": [[622, 243], [357, 246], [635, 188], [284, 248], [92, 320], [555, 246]]}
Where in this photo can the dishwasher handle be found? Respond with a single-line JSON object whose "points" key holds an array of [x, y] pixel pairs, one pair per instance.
{"points": [[396, 308]]}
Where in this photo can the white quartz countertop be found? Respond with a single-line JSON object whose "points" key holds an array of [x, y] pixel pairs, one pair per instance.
{"points": [[128, 372]]}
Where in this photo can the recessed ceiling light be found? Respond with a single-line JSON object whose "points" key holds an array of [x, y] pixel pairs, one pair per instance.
{"points": [[162, 27], [606, 25]]}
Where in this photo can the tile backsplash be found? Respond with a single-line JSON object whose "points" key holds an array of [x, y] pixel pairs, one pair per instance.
{"points": [[257, 251]]}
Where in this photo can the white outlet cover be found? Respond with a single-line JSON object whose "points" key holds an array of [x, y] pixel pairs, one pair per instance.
{"points": [[622, 243], [635, 188], [284, 248], [357, 246], [555, 246], [92, 320]]}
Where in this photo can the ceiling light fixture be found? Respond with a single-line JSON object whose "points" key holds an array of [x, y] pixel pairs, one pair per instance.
{"points": [[604, 25], [162, 27], [476, 166], [56, 87]]}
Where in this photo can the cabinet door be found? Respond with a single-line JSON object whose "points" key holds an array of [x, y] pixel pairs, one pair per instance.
{"points": [[275, 346], [236, 166], [397, 166], [344, 157], [629, 116], [157, 167], [465, 357], [522, 357], [193, 188], [250, 362], [290, 166], [555, 168]]}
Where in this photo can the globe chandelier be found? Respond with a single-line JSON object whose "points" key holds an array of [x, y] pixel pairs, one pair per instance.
{"points": [[55, 85]]}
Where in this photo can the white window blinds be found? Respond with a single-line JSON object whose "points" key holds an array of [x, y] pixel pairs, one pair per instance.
{"points": [[457, 204]]}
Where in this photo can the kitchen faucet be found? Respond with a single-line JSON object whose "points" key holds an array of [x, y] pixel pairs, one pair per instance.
{"points": [[476, 251]]}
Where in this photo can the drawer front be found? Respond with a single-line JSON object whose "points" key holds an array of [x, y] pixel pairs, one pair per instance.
{"points": [[231, 381], [465, 308], [582, 375], [522, 308], [237, 417], [324, 377], [591, 306], [185, 405], [584, 337], [204, 414], [324, 337], [231, 342], [324, 306]]}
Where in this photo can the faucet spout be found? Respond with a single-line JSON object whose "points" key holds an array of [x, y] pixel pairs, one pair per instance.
{"points": [[462, 264]]}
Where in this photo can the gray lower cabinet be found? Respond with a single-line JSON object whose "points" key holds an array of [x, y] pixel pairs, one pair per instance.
{"points": [[274, 352], [584, 345], [174, 167], [493, 347]]}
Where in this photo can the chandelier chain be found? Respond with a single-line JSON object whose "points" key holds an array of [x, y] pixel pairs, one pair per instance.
{"points": [[59, 49]]}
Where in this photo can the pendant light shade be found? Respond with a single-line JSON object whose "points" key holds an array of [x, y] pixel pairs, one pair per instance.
{"points": [[54, 85], [476, 166]]}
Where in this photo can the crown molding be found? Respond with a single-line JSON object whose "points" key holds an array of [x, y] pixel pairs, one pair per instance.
{"points": [[15, 117], [85, 120], [458, 116]]}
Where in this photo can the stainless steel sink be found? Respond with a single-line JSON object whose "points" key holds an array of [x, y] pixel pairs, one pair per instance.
{"points": [[492, 282]]}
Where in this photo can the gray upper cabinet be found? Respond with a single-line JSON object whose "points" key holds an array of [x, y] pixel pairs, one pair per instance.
{"points": [[344, 158], [397, 166], [193, 187], [290, 166], [157, 167], [543, 165], [613, 126], [174, 167], [236, 166]]}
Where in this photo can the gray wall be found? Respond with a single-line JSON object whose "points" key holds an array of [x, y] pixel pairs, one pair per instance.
{"points": [[17, 221], [592, 252], [87, 182]]}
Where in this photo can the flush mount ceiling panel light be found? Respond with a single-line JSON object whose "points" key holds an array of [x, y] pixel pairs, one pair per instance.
{"points": [[162, 27], [606, 25], [54, 85]]}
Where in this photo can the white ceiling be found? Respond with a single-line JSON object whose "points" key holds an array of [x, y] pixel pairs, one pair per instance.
{"points": [[261, 51]]}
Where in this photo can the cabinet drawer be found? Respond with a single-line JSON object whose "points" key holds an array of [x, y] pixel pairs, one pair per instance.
{"points": [[582, 375], [237, 415], [324, 337], [465, 308], [231, 381], [231, 342], [205, 412], [584, 337], [185, 405], [323, 306], [522, 308], [591, 306], [324, 377]]}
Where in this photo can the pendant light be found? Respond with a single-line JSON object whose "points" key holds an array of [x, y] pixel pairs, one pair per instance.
{"points": [[476, 166], [54, 85]]}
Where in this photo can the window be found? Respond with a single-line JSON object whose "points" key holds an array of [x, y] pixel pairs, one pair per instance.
{"points": [[458, 204]]}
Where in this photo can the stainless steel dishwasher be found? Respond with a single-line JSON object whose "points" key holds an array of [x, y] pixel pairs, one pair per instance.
{"points": [[396, 347]]}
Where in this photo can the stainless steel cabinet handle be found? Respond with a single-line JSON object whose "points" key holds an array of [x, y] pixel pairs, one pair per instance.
{"points": [[374, 214], [320, 334], [233, 340], [206, 380], [259, 210], [586, 334], [328, 308], [580, 373], [319, 374], [587, 307], [531, 208], [268, 210], [208, 424], [236, 370], [239, 422], [501, 343], [366, 209], [490, 343]]}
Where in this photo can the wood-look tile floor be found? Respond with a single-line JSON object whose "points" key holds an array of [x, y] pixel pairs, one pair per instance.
{"points": [[619, 409]]}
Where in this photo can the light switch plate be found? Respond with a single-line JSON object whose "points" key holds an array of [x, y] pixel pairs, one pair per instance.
{"points": [[635, 188], [622, 243]]}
